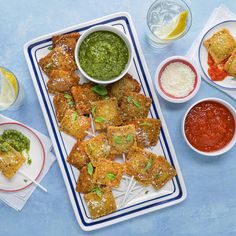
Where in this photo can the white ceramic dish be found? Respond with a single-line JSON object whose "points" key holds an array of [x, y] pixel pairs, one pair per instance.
{"points": [[227, 83], [37, 154], [104, 28], [229, 145], [172, 193], [160, 70]]}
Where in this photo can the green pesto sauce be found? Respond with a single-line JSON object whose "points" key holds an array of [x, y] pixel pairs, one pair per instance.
{"points": [[103, 55], [15, 139]]}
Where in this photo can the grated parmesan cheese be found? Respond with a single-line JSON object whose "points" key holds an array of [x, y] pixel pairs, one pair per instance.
{"points": [[177, 79]]}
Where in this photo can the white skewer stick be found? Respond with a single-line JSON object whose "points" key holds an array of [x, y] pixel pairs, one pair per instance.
{"points": [[134, 196], [89, 133], [35, 182], [127, 191]]}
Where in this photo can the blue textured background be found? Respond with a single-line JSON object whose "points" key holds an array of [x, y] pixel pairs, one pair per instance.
{"points": [[210, 208]]}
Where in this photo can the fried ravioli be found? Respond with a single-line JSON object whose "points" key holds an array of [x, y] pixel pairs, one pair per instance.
{"points": [[78, 157], [57, 59], [75, 125], [147, 131], [121, 138], [124, 85], [134, 106], [62, 81], [85, 183], [66, 41], [100, 202], [106, 113], [220, 45], [10, 161], [62, 102], [98, 147], [230, 65], [108, 173], [84, 96]]}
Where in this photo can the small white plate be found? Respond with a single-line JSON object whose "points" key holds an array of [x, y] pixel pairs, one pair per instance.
{"points": [[227, 83], [37, 154]]}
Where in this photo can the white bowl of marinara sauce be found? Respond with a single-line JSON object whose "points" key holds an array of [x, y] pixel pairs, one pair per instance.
{"points": [[177, 79]]}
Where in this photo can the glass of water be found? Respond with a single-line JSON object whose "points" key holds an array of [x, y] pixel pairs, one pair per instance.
{"points": [[167, 21], [11, 92]]}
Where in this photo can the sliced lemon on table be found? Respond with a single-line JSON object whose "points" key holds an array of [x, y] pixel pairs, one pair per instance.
{"points": [[175, 28], [9, 88]]}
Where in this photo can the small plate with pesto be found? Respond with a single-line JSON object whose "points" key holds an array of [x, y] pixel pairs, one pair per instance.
{"points": [[20, 149]]}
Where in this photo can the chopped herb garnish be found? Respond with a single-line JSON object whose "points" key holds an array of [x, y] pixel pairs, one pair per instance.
{"points": [[25, 180], [117, 139], [158, 174], [105, 97], [111, 176], [148, 165], [129, 137], [100, 119], [74, 116], [67, 96], [129, 98], [100, 90], [48, 66], [90, 168], [233, 78], [70, 103], [98, 191], [93, 110], [50, 48], [146, 192], [137, 104], [145, 124]]}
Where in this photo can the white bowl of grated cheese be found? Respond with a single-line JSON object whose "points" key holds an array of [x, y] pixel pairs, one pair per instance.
{"points": [[177, 79]]}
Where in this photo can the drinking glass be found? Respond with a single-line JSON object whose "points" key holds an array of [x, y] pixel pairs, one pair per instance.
{"points": [[161, 17]]}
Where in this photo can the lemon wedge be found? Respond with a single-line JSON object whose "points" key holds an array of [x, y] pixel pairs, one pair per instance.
{"points": [[9, 88], [175, 28]]}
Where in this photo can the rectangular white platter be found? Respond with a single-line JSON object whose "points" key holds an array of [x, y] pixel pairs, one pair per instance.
{"points": [[173, 192]]}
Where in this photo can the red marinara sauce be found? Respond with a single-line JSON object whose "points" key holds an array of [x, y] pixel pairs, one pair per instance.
{"points": [[209, 126], [216, 72]]}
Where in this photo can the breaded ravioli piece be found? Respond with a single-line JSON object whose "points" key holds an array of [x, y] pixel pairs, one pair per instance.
{"points": [[108, 173], [98, 147], [121, 138], [147, 131], [138, 164], [134, 106], [124, 85], [66, 41], [100, 202], [162, 171], [62, 102], [10, 160], [85, 183], [230, 65], [57, 59], [105, 113], [84, 96], [220, 45], [148, 168], [78, 156], [75, 125], [61, 81]]}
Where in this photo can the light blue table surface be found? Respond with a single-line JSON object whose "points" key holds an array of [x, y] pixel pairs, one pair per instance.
{"points": [[210, 208]]}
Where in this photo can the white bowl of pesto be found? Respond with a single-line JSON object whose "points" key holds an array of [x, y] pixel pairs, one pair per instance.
{"points": [[103, 54]]}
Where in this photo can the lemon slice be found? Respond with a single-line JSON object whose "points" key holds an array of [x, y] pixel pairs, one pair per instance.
{"points": [[9, 88], [175, 28]]}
